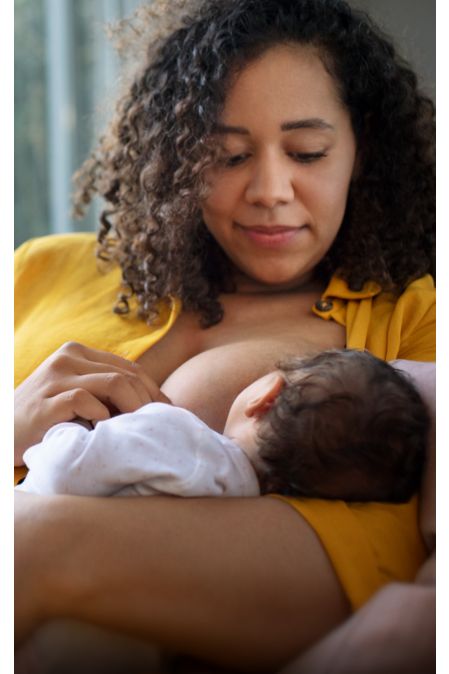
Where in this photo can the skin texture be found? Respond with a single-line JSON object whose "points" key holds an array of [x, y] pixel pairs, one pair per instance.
{"points": [[275, 177]]}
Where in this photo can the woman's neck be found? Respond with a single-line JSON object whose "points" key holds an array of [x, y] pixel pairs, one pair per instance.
{"points": [[245, 285]]}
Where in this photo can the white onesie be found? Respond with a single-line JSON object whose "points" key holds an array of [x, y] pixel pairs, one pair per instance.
{"points": [[159, 449]]}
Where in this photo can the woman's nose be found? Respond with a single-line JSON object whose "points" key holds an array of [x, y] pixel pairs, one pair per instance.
{"points": [[270, 183]]}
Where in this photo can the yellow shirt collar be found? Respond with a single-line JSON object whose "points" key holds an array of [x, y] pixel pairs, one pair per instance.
{"points": [[338, 288]]}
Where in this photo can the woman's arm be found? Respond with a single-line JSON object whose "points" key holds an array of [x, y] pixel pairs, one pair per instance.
{"points": [[242, 582]]}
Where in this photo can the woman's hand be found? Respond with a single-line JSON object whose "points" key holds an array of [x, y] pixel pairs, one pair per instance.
{"points": [[77, 381]]}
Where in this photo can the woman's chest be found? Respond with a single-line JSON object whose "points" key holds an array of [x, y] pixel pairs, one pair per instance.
{"points": [[253, 336], [287, 322]]}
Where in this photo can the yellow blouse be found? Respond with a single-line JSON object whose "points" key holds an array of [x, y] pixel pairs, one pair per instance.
{"points": [[61, 296]]}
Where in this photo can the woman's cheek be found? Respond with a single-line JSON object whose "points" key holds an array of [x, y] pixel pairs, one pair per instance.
{"points": [[330, 195], [223, 199]]}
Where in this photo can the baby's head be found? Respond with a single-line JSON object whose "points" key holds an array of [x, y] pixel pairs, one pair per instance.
{"points": [[342, 424]]}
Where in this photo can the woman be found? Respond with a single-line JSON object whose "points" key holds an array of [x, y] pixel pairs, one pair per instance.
{"points": [[270, 170]]}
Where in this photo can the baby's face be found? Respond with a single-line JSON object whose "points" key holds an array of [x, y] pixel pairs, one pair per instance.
{"points": [[247, 409]]}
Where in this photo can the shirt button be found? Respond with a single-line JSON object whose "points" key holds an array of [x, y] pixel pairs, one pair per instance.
{"points": [[324, 305]]}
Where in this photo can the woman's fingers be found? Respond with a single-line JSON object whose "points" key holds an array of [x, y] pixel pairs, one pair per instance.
{"points": [[76, 403], [131, 374], [31, 423], [75, 359], [117, 390]]}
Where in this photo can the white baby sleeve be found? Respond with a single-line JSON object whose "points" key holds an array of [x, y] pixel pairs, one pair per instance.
{"points": [[158, 449]]}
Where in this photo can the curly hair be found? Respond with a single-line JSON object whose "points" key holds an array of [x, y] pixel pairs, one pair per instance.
{"points": [[345, 425], [150, 165]]}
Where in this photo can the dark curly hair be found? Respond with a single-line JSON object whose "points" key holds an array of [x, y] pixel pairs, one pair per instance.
{"points": [[345, 425], [150, 165]]}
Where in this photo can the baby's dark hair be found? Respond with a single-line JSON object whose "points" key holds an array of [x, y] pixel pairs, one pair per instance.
{"points": [[345, 425]]}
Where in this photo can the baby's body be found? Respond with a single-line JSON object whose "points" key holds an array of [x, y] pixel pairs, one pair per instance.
{"points": [[341, 424]]}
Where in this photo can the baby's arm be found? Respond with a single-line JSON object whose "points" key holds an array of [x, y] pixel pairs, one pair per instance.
{"points": [[157, 449]]}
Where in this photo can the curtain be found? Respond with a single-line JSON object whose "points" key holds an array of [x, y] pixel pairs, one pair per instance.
{"points": [[65, 72]]}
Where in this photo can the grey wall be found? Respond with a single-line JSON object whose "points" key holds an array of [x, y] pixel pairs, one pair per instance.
{"points": [[412, 25]]}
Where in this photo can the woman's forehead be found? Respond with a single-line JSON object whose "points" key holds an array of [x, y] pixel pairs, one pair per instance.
{"points": [[285, 89], [288, 78]]}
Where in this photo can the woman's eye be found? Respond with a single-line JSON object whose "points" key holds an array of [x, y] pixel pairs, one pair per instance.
{"points": [[235, 160], [307, 157]]}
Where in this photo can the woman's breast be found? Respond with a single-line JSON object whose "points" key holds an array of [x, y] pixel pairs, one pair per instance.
{"points": [[232, 356]]}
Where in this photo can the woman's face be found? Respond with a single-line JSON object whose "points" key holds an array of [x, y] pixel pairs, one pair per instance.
{"points": [[278, 199]]}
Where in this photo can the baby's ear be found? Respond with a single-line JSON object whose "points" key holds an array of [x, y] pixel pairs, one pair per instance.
{"points": [[263, 403]]}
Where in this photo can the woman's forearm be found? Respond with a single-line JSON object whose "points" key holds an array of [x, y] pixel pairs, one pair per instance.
{"points": [[241, 582]]}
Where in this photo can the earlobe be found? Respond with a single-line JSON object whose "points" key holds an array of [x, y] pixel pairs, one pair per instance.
{"points": [[263, 403]]}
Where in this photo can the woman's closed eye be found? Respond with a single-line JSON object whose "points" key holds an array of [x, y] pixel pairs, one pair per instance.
{"points": [[301, 157], [307, 157], [235, 159]]}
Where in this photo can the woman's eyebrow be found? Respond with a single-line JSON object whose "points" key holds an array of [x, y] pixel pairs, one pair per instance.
{"points": [[310, 123]]}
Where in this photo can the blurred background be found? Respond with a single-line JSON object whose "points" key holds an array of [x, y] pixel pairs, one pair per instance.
{"points": [[65, 72]]}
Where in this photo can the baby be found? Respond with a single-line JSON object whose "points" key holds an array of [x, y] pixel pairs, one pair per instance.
{"points": [[339, 425]]}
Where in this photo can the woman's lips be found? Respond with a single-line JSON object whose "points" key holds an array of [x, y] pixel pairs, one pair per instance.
{"points": [[271, 236]]}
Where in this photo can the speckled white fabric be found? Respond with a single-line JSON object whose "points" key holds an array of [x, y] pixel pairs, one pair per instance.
{"points": [[159, 449]]}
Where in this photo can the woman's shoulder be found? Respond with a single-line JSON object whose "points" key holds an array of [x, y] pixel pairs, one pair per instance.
{"points": [[424, 286], [58, 264], [413, 319], [41, 251], [388, 324], [416, 299]]}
